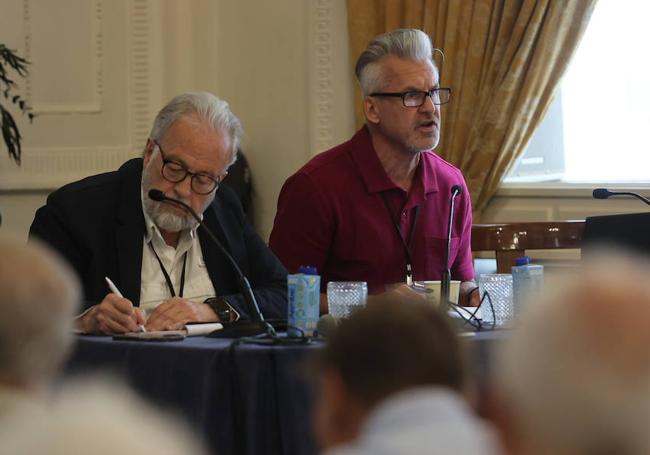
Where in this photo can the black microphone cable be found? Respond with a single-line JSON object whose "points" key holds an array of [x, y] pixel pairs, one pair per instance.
{"points": [[470, 317], [258, 330]]}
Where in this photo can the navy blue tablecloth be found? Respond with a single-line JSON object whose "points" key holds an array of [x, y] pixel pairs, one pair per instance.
{"points": [[241, 398]]}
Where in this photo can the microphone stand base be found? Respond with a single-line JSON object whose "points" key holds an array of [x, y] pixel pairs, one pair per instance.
{"points": [[240, 329]]}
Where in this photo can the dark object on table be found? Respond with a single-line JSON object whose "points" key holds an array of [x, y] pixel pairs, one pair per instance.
{"points": [[628, 231]]}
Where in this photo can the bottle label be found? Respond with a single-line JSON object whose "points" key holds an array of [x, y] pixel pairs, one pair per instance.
{"points": [[304, 303]]}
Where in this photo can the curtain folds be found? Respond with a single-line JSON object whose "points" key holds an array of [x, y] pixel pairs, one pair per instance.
{"points": [[503, 59]]}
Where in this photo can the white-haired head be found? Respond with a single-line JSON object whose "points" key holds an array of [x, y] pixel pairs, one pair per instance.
{"points": [[575, 372], [210, 109], [101, 417], [39, 295]]}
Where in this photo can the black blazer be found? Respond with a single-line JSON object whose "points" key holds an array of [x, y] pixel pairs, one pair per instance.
{"points": [[98, 226]]}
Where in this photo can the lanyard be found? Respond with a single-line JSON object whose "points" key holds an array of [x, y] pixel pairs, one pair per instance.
{"points": [[405, 243], [167, 278]]}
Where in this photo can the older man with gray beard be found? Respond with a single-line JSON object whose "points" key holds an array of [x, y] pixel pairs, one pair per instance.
{"points": [[107, 226]]}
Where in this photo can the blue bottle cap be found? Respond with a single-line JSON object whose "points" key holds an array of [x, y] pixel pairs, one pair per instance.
{"points": [[524, 260], [307, 270]]}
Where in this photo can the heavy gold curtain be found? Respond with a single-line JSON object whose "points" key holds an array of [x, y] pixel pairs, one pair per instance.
{"points": [[503, 59]]}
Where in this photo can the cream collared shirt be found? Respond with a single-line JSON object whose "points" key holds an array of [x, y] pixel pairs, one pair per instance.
{"points": [[153, 287]]}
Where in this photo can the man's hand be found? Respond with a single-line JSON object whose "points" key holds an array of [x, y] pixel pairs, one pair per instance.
{"points": [[176, 312], [400, 291], [113, 315], [468, 295]]}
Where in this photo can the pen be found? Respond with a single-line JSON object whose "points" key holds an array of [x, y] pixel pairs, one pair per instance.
{"points": [[117, 292]]}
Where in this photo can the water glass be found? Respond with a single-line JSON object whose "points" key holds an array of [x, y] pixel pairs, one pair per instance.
{"points": [[345, 296], [499, 288]]}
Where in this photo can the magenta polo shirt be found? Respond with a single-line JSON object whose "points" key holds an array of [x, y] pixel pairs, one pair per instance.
{"points": [[331, 215]]}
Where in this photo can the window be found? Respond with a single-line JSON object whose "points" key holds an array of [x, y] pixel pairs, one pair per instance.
{"points": [[597, 128]]}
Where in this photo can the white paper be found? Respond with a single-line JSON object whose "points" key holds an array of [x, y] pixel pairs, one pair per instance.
{"points": [[202, 329]]}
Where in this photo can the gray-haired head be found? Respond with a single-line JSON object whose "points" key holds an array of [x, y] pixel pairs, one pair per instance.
{"points": [[406, 43], [216, 112], [574, 373], [39, 295], [63, 426]]}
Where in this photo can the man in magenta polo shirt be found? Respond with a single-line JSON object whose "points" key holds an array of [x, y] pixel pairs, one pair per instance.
{"points": [[375, 208]]}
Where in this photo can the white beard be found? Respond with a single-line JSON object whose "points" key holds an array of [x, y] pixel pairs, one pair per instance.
{"points": [[166, 221]]}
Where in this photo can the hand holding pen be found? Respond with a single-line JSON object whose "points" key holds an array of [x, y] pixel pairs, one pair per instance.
{"points": [[114, 314], [137, 312]]}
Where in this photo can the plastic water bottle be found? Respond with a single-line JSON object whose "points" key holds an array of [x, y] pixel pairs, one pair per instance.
{"points": [[527, 282], [303, 290]]}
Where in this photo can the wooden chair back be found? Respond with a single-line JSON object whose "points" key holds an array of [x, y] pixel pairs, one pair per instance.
{"points": [[511, 240]]}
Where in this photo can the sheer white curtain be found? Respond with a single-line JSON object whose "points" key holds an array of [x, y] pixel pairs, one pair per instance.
{"points": [[606, 97]]}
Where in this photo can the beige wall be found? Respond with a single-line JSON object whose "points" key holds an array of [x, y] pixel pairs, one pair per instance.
{"points": [[543, 202], [102, 68]]}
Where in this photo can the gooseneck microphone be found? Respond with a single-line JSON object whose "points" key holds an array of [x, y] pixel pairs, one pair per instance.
{"points": [[604, 193], [445, 282], [236, 329]]}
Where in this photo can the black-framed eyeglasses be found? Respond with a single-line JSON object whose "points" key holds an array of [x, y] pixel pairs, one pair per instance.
{"points": [[172, 171], [416, 98]]}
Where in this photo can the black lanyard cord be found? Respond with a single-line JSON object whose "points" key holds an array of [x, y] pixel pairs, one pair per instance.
{"points": [[406, 243], [167, 278]]}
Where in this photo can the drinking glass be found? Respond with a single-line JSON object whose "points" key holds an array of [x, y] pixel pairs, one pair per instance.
{"points": [[345, 296], [499, 288]]}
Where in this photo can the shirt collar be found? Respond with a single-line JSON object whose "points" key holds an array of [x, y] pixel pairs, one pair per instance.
{"points": [[374, 175], [429, 176]]}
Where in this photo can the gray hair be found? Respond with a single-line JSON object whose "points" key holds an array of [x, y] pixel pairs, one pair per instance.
{"points": [[216, 112], [39, 295], [575, 372], [406, 43], [64, 426]]}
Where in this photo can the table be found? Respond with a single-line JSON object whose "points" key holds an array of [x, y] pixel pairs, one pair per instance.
{"points": [[242, 398]]}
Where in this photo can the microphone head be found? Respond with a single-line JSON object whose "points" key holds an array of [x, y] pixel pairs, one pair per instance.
{"points": [[601, 193], [456, 189], [157, 195]]}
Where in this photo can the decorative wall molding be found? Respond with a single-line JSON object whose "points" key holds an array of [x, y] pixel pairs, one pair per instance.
{"points": [[99, 49], [144, 80], [94, 105], [320, 83], [28, 48], [50, 167], [100, 136]]}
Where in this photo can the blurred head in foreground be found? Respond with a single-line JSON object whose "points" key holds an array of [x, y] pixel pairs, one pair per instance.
{"points": [[575, 374], [98, 417], [39, 296], [390, 358]]}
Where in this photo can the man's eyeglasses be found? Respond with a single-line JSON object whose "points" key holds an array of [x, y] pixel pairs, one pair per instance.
{"points": [[416, 98], [174, 172]]}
